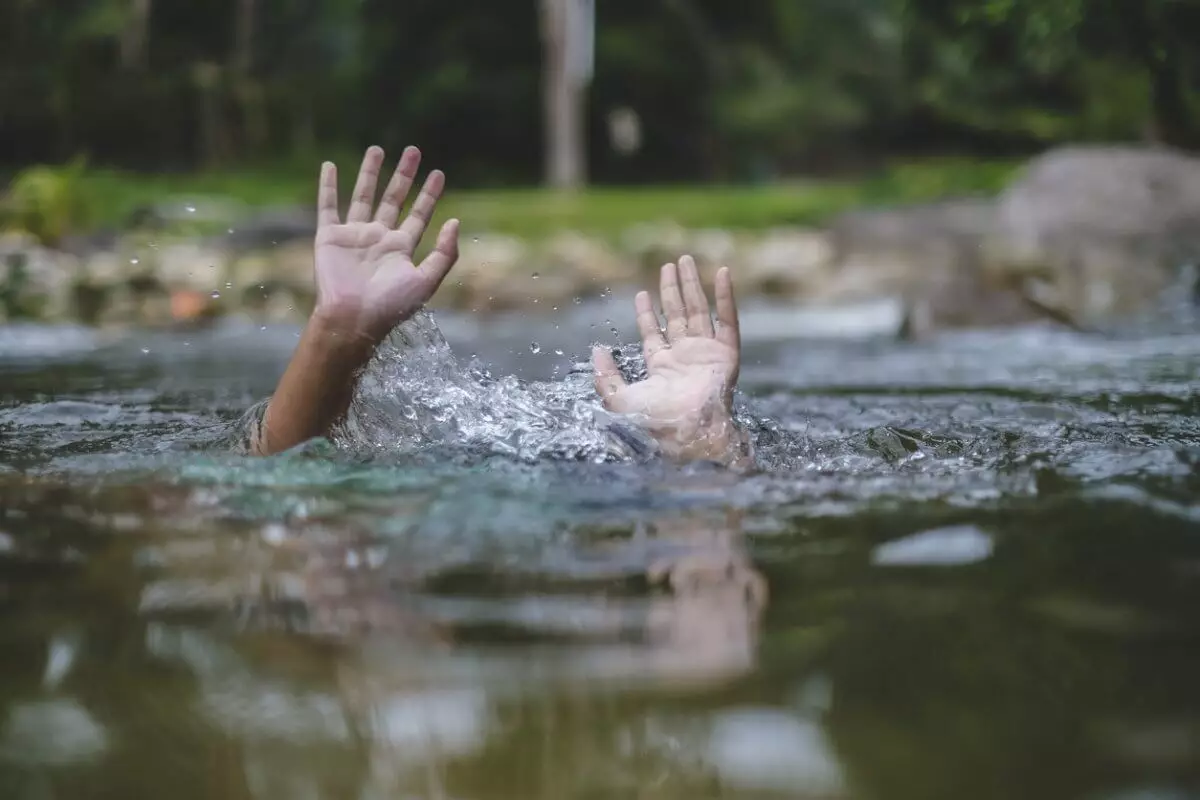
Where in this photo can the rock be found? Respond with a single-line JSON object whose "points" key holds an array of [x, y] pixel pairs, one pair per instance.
{"points": [[713, 247], [1107, 229], [184, 265], [275, 284], [255, 269], [102, 268], [787, 262], [35, 281], [492, 272], [931, 256], [650, 245], [888, 249], [590, 261]]}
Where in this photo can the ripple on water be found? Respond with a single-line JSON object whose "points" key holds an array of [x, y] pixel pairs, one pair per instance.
{"points": [[964, 551]]}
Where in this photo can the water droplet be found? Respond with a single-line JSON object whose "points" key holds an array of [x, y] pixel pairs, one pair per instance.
{"points": [[475, 239], [577, 300], [134, 260], [229, 230], [263, 328], [554, 308], [535, 300], [145, 350], [536, 275], [215, 294], [191, 209], [558, 352], [228, 284], [535, 348]]}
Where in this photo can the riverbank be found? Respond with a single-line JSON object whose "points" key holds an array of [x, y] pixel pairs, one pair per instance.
{"points": [[1078, 235]]}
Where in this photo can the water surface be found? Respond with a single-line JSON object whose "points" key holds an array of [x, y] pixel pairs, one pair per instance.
{"points": [[968, 567]]}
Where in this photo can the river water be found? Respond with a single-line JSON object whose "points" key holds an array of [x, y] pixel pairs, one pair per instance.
{"points": [[967, 568]]}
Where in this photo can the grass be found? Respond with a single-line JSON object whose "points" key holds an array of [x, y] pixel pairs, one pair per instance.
{"points": [[111, 197]]}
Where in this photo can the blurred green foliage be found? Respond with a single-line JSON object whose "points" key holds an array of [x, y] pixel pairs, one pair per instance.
{"points": [[48, 202], [114, 196], [725, 91]]}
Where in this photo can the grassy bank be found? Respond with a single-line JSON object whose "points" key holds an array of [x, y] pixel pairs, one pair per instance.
{"points": [[107, 198]]}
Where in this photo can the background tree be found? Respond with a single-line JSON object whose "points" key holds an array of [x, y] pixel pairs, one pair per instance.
{"points": [[722, 90]]}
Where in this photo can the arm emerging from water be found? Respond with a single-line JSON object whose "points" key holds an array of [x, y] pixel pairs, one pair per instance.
{"points": [[367, 284], [686, 400]]}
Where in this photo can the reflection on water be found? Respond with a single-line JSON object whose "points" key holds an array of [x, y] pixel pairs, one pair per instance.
{"points": [[970, 568]]}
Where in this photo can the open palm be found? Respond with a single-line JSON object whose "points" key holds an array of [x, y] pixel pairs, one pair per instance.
{"points": [[692, 367], [366, 280]]}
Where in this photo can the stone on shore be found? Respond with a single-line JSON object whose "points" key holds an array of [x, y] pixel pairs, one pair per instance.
{"points": [[1104, 230], [1083, 235]]}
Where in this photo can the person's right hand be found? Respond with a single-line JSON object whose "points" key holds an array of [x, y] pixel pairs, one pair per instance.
{"points": [[686, 400], [366, 280]]}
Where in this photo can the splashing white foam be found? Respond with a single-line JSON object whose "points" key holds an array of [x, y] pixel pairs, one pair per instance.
{"points": [[416, 393]]}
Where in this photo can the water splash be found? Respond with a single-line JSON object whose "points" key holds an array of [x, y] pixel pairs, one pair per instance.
{"points": [[416, 393]]}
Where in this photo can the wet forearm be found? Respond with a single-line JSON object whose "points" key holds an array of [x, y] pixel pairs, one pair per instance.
{"points": [[316, 388]]}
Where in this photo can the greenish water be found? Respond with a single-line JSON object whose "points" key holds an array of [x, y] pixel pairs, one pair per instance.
{"points": [[969, 569]]}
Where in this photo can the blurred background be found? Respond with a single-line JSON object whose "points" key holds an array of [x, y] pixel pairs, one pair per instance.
{"points": [[588, 141]]}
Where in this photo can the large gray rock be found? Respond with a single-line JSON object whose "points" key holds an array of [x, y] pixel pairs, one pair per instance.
{"points": [[931, 256], [1099, 231]]}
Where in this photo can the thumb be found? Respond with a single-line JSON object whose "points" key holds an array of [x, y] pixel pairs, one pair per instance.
{"points": [[608, 377]]}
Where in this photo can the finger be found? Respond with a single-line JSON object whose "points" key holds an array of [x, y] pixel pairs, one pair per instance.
{"points": [[398, 187], [327, 201], [608, 377], [699, 321], [672, 303], [438, 263], [728, 331], [418, 218], [364, 188], [647, 322]]}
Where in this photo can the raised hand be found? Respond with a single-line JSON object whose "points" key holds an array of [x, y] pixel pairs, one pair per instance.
{"points": [[366, 280], [686, 400]]}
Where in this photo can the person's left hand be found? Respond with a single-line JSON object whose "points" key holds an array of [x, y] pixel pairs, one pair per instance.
{"points": [[686, 400]]}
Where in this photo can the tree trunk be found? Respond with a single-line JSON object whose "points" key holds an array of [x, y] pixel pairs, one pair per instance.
{"points": [[248, 95], [564, 96], [133, 38], [243, 38]]}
